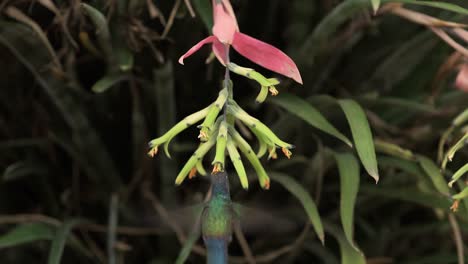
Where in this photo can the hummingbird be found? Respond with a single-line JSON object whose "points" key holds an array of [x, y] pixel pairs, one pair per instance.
{"points": [[217, 220]]}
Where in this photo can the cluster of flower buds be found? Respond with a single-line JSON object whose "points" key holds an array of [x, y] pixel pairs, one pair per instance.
{"points": [[217, 131], [267, 84]]}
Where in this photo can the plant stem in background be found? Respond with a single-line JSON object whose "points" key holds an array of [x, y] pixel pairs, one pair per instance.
{"points": [[165, 96]]}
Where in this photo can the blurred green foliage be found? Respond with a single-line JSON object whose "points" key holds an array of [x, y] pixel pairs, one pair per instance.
{"points": [[84, 87]]}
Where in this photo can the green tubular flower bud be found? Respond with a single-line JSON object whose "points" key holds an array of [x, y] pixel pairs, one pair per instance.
{"points": [[237, 162], [244, 71], [246, 149], [261, 97], [262, 80], [214, 110], [221, 142], [262, 149], [461, 195], [263, 142], [273, 81], [200, 168], [258, 127], [461, 118], [194, 159], [175, 130], [458, 174], [272, 153], [252, 74]]}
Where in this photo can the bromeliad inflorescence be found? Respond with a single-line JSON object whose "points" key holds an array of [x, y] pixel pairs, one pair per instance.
{"points": [[217, 130]]}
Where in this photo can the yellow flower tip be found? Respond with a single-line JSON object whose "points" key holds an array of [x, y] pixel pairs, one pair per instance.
{"points": [[266, 184], [218, 167], [153, 152], [455, 205], [287, 152], [203, 136], [192, 173], [272, 154], [273, 91]]}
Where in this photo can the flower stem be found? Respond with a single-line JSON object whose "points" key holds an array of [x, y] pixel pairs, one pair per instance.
{"points": [[227, 80]]}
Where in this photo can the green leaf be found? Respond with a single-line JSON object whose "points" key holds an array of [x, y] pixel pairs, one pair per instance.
{"points": [[458, 174], [387, 70], [348, 254], [409, 194], [375, 5], [407, 166], [348, 167], [21, 169], [191, 239], [102, 28], [26, 233], [362, 136], [304, 197], [107, 82], [431, 170], [393, 150], [204, 10], [123, 55], [59, 241], [308, 113]]}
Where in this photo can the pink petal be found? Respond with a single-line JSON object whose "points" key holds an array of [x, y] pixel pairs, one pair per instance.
{"points": [[266, 55], [225, 22], [219, 49], [197, 46], [462, 79], [230, 11]]}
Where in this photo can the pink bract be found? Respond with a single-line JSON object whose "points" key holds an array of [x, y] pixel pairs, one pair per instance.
{"points": [[226, 33], [225, 22], [266, 56]]}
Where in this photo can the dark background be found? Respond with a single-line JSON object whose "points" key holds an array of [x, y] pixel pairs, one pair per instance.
{"points": [[65, 149]]}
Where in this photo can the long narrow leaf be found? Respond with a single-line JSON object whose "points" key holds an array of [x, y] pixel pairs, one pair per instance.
{"points": [[26, 233], [412, 195], [348, 254], [362, 136], [304, 197], [431, 169], [204, 8], [308, 113], [191, 240], [102, 28], [59, 241], [107, 82], [348, 167]]}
